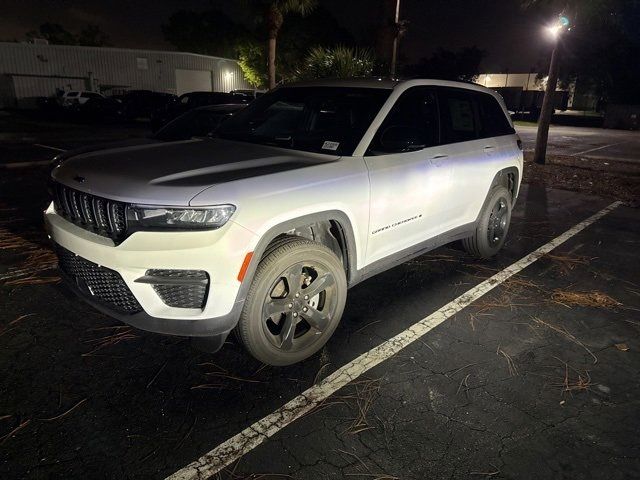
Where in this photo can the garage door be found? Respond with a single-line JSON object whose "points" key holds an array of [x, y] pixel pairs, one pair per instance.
{"points": [[192, 81]]}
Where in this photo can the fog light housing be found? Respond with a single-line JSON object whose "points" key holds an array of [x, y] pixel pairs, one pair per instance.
{"points": [[179, 288]]}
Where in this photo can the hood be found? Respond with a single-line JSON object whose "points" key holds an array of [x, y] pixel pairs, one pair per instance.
{"points": [[129, 142], [172, 173]]}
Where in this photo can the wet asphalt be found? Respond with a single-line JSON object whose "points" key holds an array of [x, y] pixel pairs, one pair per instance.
{"points": [[521, 384]]}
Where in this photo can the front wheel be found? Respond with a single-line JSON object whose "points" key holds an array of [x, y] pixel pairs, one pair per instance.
{"points": [[493, 225], [294, 304]]}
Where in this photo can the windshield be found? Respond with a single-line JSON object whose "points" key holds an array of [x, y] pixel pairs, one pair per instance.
{"points": [[196, 123], [314, 119]]}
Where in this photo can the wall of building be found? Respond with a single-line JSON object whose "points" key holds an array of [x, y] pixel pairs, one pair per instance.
{"points": [[40, 70], [525, 81]]}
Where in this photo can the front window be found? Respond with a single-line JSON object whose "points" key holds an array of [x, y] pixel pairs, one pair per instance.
{"points": [[328, 120]]}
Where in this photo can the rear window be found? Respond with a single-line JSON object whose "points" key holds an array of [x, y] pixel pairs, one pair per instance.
{"points": [[493, 121]]}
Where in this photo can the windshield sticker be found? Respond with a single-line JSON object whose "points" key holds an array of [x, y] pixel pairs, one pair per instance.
{"points": [[327, 145]]}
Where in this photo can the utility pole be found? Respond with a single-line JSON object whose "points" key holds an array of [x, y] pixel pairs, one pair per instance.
{"points": [[546, 113], [396, 40], [548, 102]]}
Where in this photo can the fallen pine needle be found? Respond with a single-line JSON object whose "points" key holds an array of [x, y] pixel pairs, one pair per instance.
{"points": [[584, 299], [14, 431], [62, 415], [563, 331]]}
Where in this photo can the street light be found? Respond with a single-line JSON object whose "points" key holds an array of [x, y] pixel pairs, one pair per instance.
{"points": [[554, 31]]}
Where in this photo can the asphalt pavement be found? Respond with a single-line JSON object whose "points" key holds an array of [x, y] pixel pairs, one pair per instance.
{"points": [[596, 143], [535, 378]]}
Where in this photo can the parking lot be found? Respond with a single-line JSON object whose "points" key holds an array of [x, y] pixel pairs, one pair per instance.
{"points": [[581, 142], [522, 367]]}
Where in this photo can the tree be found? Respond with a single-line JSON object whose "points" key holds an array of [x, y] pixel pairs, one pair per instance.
{"points": [[210, 33], [273, 17], [461, 65], [337, 62], [581, 14], [252, 61], [93, 36], [54, 33], [296, 37]]}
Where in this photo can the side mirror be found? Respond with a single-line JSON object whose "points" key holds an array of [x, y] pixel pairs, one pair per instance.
{"points": [[402, 138]]}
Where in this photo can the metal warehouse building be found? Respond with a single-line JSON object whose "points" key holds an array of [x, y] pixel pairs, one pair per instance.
{"points": [[40, 70]]}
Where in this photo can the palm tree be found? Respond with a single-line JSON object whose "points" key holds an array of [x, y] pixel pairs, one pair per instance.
{"points": [[583, 11], [273, 15], [337, 62]]}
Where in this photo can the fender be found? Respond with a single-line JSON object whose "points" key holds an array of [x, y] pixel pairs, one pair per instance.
{"points": [[336, 215]]}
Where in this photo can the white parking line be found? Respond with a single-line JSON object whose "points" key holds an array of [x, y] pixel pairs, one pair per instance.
{"points": [[234, 448], [597, 148]]}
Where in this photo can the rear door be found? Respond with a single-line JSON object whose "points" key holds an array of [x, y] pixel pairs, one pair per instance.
{"points": [[469, 153]]}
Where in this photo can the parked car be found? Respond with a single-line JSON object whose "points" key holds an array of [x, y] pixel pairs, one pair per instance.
{"points": [[309, 190], [199, 122], [99, 109], [75, 97], [143, 103], [189, 101]]}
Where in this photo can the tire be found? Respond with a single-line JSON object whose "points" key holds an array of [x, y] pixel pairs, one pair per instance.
{"points": [[493, 222], [280, 324]]}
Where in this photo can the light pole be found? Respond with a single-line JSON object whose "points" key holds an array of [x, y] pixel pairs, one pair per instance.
{"points": [[396, 39], [548, 101]]}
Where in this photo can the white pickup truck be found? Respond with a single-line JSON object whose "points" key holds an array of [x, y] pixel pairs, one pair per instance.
{"points": [[263, 225]]}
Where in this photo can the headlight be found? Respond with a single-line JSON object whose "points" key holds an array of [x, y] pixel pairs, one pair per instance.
{"points": [[142, 217]]}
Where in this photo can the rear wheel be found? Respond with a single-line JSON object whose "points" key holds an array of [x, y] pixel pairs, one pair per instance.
{"points": [[493, 225], [294, 304]]}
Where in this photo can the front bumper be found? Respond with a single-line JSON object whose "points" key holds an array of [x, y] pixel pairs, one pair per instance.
{"points": [[219, 253]]}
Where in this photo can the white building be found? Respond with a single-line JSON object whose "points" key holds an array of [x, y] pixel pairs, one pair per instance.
{"points": [[30, 70]]}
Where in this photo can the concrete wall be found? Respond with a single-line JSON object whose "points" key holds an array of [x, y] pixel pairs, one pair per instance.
{"points": [[39, 70]]}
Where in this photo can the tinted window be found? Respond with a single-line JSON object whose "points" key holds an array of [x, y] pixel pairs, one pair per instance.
{"points": [[414, 115], [457, 110], [493, 122], [315, 119]]}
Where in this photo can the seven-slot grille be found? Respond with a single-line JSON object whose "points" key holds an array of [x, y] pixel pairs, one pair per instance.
{"points": [[101, 283], [98, 215]]}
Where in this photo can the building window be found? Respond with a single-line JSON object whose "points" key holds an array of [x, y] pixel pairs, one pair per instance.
{"points": [[143, 63]]}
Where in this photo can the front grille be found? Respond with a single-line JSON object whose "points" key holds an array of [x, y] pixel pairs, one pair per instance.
{"points": [[98, 215], [101, 283], [182, 288]]}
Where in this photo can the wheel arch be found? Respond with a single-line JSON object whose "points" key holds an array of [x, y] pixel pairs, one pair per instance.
{"points": [[321, 227], [510, 178]]}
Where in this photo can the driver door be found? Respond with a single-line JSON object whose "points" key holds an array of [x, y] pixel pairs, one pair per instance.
{"points": [[410, 183]]}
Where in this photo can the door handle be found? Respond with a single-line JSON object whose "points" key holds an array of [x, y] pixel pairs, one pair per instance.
{"points": [[436, 159], [489, 149]]}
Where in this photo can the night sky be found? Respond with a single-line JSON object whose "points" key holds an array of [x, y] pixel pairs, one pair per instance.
{"points": [[513, 39]]}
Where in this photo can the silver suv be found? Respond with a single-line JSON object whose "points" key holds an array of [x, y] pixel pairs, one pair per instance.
{"points": [[263, 225]]}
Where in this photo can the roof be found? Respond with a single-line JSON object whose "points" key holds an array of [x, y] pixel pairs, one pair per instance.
{"points": [[386, 83], [347, 82]]}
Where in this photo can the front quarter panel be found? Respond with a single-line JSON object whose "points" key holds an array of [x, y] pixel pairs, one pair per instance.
{"points": [[263, 203]]}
